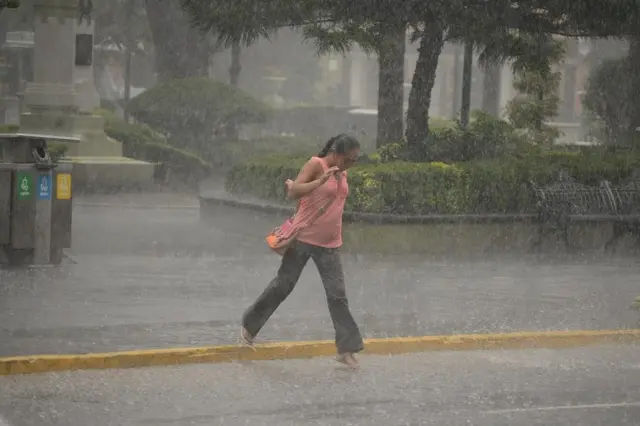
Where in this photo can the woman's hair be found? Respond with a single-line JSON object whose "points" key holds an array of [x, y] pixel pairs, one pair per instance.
{"points": [[340, 144]]}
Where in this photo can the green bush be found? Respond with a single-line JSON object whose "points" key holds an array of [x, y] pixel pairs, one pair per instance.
{"points": [[57, 151], [375, 188], [483, 186], [408, 188], [497, 187], [230, 153], [612, 98], [263, 177], [142, 143], [195, 112], [9, 128], [485, 138]]}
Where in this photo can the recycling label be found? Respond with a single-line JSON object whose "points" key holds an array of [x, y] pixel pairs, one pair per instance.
{"points": [[44, 187], [24, 185], [63, 186]]}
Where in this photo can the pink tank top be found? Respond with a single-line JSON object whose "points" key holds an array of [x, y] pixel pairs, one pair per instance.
{"points": [[326, 231]]}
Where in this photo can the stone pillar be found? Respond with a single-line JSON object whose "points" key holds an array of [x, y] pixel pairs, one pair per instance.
{"points": [[50, 99], [95, 142], [62, 97], [87, 95]]}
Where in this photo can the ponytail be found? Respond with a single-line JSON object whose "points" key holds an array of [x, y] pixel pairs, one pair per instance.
{"points": [[327, 147], [341, 143]]}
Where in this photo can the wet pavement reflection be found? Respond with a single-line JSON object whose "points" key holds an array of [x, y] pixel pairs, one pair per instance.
{"points": [[146, 278], [586, 386]]}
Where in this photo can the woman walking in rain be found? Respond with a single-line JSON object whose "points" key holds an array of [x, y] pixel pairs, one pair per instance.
{"points": [[321, 189]]}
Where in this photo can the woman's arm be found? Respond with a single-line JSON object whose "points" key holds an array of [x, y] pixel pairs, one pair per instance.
{"points": [[311, 176]]}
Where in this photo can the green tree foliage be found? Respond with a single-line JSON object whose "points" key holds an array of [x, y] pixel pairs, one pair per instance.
{"points": [[500, 29], [518, 31], [181, 51], [118, 22], [334, 25], [388, 41], [486, 137], [537, 85], [193, 113], [613, 97], [495, 28], [537, 102]]}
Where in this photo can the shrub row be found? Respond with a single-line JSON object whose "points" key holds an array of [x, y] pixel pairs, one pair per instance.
{"points": [[486, 137], [142, 143], [483, 186], [197, 113]]}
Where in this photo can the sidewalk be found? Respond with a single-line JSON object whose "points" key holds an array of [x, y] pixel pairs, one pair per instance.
{"points": [[146, 279], [139, 200], [587, 387]]}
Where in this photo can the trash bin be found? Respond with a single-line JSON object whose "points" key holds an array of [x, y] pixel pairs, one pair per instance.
{"points": [[35, 201]]}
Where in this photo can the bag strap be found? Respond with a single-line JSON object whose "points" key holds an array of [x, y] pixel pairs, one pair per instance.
{"points": [[320, 211]]}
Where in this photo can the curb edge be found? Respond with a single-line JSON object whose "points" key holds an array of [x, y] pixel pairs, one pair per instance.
{"points": [[34, 364]]}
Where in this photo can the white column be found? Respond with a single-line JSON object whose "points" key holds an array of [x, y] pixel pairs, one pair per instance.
{"points": [[507, 92], [357, 72]]}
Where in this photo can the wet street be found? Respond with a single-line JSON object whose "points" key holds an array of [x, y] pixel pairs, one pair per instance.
{"points": [[160, 278], [156, 278], [589, 386]]}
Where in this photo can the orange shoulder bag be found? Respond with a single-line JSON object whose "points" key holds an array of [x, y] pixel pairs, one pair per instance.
{"points": [[282, 237]]}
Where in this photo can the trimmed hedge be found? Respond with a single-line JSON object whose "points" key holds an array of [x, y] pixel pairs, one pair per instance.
{"points": [[230, 153], [487, 137], [142, 143], [263, 177], [484, 186], [396, 188]]}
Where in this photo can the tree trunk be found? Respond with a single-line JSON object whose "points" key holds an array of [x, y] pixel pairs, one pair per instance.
{"points": [[491, 89], [235, 68], [181, 51], [391, 86], [424, 77], [231, 128]]}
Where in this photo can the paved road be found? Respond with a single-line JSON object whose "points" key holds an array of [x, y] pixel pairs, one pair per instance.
{"points": [[581, 387], [159, 278]]}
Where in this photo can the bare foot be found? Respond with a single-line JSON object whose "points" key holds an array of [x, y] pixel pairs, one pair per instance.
{"points": [[349, 360], [246, 338]]}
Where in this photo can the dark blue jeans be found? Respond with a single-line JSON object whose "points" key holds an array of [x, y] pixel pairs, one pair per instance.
{"points": [[348, 338]]}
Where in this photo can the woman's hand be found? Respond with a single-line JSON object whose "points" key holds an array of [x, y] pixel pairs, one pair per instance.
{"points": [[326, 175], [309, 179]]}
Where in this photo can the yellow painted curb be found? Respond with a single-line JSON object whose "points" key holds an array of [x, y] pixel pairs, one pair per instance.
{"points": [[291, 350]]}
